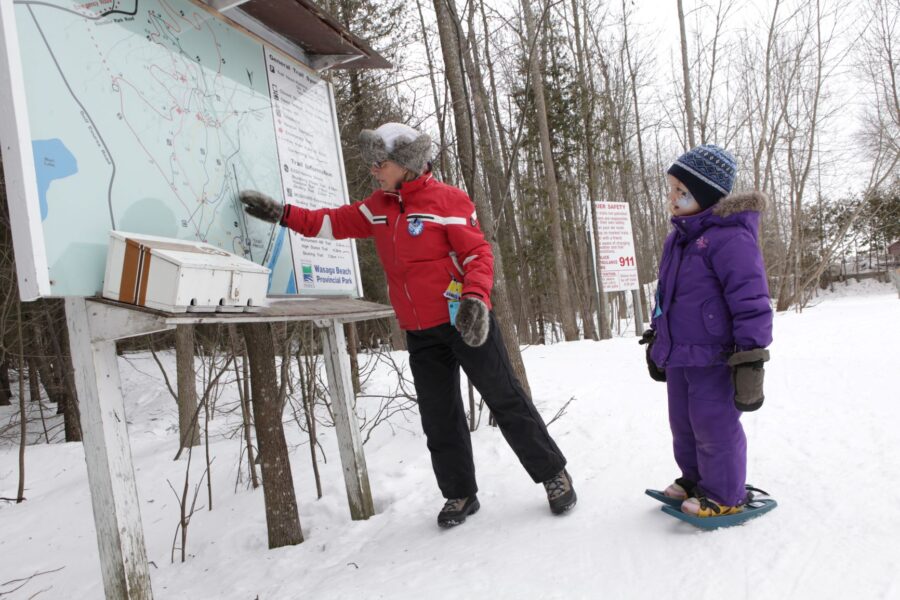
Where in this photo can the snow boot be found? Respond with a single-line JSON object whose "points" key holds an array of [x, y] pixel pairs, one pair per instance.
{"points": [[560, 493], [699, 505], [681, 489], [456, 510], [704, 507]]}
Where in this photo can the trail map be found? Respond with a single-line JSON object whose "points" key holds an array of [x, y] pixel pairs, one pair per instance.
{"points": [[148, 116]]}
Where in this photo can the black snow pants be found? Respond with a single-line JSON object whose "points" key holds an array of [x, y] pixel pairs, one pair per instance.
{"points": [[435, 356]]}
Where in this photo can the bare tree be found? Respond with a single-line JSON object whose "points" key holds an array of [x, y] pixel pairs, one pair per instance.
{"points": [[62, 372], [879, 61], [448, 28], [282, 518], [242, 380], [685, 72], [23, 417], [187, 506], [5, 390], [188, 427], [566, 307]]}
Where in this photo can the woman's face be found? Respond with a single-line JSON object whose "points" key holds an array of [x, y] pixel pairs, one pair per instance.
{"points": [[388, 174], [680, 202]]}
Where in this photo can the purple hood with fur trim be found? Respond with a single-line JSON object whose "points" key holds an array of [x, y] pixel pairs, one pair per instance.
{"points": [[713, 298]]}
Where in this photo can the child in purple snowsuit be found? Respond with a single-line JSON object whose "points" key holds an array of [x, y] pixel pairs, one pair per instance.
{"points": [[710, 328]]}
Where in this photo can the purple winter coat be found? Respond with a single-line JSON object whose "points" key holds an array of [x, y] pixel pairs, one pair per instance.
{"points": [[713, 298]]}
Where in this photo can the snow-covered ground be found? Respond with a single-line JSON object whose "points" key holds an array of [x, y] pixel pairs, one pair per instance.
{"points": [[826, 444]]}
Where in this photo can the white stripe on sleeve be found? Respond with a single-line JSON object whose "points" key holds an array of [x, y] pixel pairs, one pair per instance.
{"points": [[373, 219], [456, 264], [325, 231]]}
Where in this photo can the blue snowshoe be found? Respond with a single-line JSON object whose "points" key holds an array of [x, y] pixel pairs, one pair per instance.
{"points": [[752, 508]]}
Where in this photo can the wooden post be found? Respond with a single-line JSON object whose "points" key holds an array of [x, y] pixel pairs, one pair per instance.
{"points": [[340, 387], [117, 515]]}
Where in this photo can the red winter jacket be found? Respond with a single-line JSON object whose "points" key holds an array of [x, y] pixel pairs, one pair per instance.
{"points": [[426, 235]]}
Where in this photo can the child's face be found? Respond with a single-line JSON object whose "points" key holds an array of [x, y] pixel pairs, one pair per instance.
{"points": [[680, 202]]}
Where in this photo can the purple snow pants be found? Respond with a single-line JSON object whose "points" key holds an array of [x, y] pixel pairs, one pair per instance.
{"points": [[709, 442]]}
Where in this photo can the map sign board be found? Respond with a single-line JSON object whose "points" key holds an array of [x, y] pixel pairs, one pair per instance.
{"points": [[149, 116], [616, 256]]}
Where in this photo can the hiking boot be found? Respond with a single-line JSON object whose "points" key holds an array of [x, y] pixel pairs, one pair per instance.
{"points": [[560, 493], [456, 510]]}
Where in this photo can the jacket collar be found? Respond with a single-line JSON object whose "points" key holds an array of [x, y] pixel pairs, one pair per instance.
{"points": [[417, 184], [691, 226], [740, 209], [741, 202]]}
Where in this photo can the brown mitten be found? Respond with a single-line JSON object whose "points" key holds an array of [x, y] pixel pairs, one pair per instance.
{"points": [[747, 372]]}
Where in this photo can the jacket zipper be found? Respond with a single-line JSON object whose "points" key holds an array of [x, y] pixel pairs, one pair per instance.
{"points": [[668, 321], [405, 289]]}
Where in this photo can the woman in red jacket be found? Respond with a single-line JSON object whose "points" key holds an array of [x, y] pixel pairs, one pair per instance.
{"points": [[440, 272]]}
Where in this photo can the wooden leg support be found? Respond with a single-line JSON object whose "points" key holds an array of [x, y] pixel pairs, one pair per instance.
{"points": [[117, 515], [340, 387]]}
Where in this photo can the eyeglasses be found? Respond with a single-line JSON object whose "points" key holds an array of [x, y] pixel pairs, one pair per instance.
{"points": [[381, 164]]}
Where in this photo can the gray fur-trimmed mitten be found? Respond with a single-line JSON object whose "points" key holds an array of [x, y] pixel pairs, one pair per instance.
{"points": [[748, 372], [473, 321], [258, 205]]}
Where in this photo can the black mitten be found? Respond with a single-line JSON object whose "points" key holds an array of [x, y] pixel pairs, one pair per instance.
{"points": [[656, 373], [472, 321], [748, 374], [258, 205]]}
